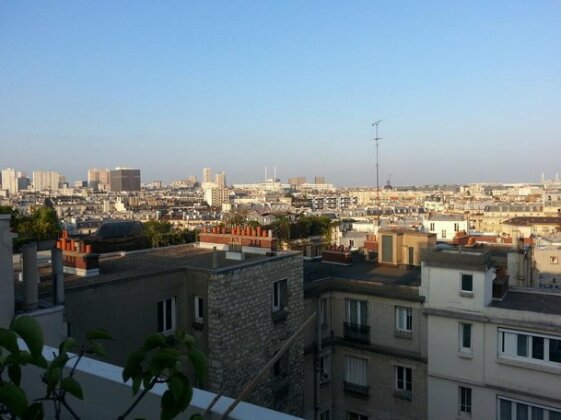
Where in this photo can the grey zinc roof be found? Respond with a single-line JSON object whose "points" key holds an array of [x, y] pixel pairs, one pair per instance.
{"points": [[531, 301]]}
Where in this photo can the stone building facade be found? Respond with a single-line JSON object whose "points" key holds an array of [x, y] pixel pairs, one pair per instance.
{"points": [[240, 311]]}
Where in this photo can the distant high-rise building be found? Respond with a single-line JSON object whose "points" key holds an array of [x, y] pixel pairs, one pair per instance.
{"points": [[319, 180], [99, 178], [9, 180], [296, 181], [46, 180], [207, 175], [124, 179], [220, 179], [23, 182]]}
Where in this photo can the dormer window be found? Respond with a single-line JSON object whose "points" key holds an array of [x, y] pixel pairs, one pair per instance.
{"points": [[466, 284]]}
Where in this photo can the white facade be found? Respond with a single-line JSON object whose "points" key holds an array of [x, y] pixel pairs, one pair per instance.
{"points": [[446, 227], [10, 180], [489, 358], [46, 180]]}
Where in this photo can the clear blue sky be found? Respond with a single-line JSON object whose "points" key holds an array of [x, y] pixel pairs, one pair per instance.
{"points": [[468, 90]]}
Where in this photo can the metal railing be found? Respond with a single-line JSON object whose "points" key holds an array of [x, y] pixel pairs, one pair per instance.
{"points": [[357, 332]]}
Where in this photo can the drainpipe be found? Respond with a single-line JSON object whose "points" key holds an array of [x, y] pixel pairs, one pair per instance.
{"points": [[30, 274], [58, 276]]}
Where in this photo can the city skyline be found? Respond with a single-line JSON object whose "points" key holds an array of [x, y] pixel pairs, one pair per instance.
{"points": [[467, 92]]}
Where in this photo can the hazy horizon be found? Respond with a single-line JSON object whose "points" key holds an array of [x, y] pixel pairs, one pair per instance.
{"points": [[468, 92]]}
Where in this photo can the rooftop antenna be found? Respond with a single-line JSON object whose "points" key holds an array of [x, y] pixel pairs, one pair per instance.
{"points": [[376, 139]]}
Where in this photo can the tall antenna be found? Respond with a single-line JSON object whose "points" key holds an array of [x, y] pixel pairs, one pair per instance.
{"points": [[376, 124]]}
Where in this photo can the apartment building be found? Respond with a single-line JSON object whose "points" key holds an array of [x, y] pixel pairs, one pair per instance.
{"points": [[446, 225], [241, 308], [367, 358], [494, 351]]}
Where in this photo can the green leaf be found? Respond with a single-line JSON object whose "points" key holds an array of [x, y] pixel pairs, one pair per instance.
{"points": [[67, 345], [14, 372], [196, 416], [189, 341], [53, 376], [147, 379], [99, 334], [136, 381], [98, 350], [154, 341], [13, 398], [59, 361], [198, 360], [72, 387], [9, 340], [133, 366], [34, 412], [175, 386], [30, 331], [163, 359]]}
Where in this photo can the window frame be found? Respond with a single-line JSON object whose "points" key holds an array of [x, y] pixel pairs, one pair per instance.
{"points": [[199, 309], [163, 312], [510, 345], [546, 410], [465, 401], [279, 298], [360, 305], [462, 347], [466, 291], [404, 375], [403, 314]]}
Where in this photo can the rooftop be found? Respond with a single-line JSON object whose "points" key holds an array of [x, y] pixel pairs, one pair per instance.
{"points": [[526, 221], [531, 301]]}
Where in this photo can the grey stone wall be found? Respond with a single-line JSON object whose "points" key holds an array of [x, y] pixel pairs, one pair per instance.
{"points": [[243, 337]]}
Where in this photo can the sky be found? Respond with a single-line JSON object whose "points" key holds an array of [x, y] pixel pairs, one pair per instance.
{"points": [[468, 91]]}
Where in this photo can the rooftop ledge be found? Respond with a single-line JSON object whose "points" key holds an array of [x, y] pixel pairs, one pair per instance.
{"points": [[106, 396]]}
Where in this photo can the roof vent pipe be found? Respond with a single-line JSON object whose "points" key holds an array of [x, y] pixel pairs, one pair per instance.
{"points": [[30, 273]]}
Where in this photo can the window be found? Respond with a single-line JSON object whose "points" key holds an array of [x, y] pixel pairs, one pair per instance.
{"points": [[536, 348], [166, 315], [465, 400], [280, 367], [443, 234], [553, 260], [199, 309], [356, 375], [403, 379], [465, 337], [403, 320], [323, 312], [325, 368], [280, 295], [356, 416], [466, 285], [356, 312], [356, 319], [509, 409], [456, 227], [431, 227], [325, 415]]}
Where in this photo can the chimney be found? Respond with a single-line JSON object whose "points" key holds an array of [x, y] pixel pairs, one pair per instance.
{"points": [[7, 305], [83, 264], [30, 276], [58, 276], [214, 257]]}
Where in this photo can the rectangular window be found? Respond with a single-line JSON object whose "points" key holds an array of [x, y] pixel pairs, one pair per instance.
{"points": [[443, 233], [356, 416], [431, 227], [465, 400], [466, 283], [280, 367], [325, 415], [465, 337], [403, 380], [280, 295], [403, 319], [356, 312], [166, 315], [553, 260], [536, 348], [325, 368], [323, 312], [456, 227], [199, 309], [510, 409], [356, 371]]}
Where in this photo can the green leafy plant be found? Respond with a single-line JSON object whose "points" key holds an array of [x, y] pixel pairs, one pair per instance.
{"points": [[160, 360]]}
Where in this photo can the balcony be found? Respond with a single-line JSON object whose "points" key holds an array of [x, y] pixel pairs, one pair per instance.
{"points": [[357, 332], [356, 389]]}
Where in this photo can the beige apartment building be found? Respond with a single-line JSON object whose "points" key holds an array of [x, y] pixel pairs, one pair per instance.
{"points": [[366, 358]]}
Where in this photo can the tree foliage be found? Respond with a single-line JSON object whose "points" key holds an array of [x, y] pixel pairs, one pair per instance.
{"points": [[159, 360], [41, 224], [162, 233], [301, 227]]}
